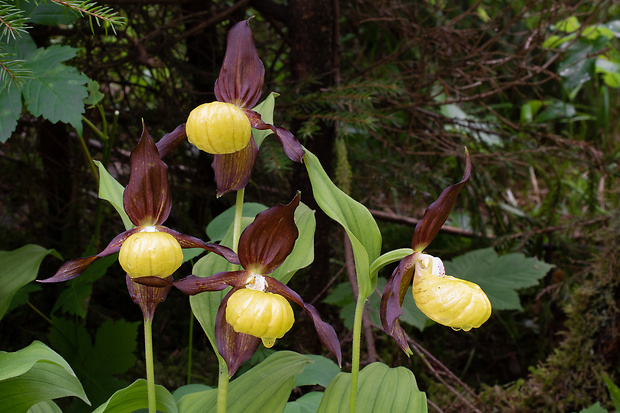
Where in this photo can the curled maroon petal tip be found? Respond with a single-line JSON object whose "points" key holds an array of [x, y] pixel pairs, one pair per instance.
{"points": [[437, 213]]}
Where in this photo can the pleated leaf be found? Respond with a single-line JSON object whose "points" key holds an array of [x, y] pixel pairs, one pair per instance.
{"points": [[112, 191], [380, 389], [264, 388], [354, 217], [18, 268], [35, 374], [134, 397]]}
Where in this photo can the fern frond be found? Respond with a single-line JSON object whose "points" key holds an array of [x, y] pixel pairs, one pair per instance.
{"points": [[12, 21], [12, 71], [108, 16]]}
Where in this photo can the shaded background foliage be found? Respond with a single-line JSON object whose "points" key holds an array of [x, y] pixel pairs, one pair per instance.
{"points": [[404, 86]]}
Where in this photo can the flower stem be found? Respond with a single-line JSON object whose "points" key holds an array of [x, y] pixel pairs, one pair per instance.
{"points": [[355, 358], [222, 385], [150, 370], [223, 379]]}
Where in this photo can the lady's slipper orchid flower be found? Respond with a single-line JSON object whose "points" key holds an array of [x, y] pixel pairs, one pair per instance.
{"points": [[257, 307], [149, 249], [444, 299], [223, 128]]}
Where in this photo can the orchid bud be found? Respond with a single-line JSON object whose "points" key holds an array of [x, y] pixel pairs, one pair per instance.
{"points": [[261, 314], [218, 128], [447, 300], [150, 253]]}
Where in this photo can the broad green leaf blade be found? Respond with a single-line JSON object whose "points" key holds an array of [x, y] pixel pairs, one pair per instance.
{"points": [[265, 109], [354, 217], [308, 403], [46, 406], [10, 109], [380, 389], [182, 391], [112, 191], [219, 226], [499, 276], [388, 258], [614, 391], [595, 408], [321, 371], [35, 374], [18, 268], [264, 388], [135, 397], [56, 91], [303, 252]]}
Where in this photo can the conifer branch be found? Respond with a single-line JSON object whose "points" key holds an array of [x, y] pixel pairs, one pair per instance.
{"points": [[12, 71], [94, 11], [12, 21]]}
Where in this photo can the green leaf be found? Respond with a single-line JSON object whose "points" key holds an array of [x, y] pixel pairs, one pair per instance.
{"points": [[135, 397], [219, 226], [112, 191], [595, 408], [35, 374], [47, 14], [568, 25], [614, 391], [380, 389], [354, 217], [499, 276], [321, 371], [57, 91], [265, 109], [189, 389], [94, 95], [10, 109], [303, 251], [46, 406], [18, 268], [97, 364], [264, 388], [308, 403]]}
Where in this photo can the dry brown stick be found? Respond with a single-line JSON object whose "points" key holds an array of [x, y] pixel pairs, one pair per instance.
{"points": [[366, 323]]}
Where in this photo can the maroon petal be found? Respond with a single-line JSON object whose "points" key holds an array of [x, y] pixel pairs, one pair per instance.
{"points": [[292, 147], [192, 285], [171, 140], [73, 268], [147, 197], [392, 301], [265, 244], [437, 213], [234, 347], [188, 241], [147, 297], [242, 74], [232, 171], [326, 333]]}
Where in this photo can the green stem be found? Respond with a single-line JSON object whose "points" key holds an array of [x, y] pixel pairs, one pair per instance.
{"points": [[355, 358], [223, 379], [150, 370], [91, 163], [222, 385], [191, 346]]}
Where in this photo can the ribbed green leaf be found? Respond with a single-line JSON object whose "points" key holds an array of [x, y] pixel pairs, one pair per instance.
{"points": [[264, 388], [265, 108], [10, 109], [112, 191], [46, 406], [354, 217], [18, 268], [308, 403], [134, 397], [380, 389], [321, 371], [35, 374]]}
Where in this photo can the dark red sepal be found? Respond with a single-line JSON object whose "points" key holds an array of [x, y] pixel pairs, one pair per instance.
{"points": [[234, 347], [192, 285], [392, 300], [242, 73], [292, 148], [187, 241], [147, 196], [326, 332], [265, 244], [437, 213], [233, 170], [171, 140], [147, 297], [74, 268]]}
